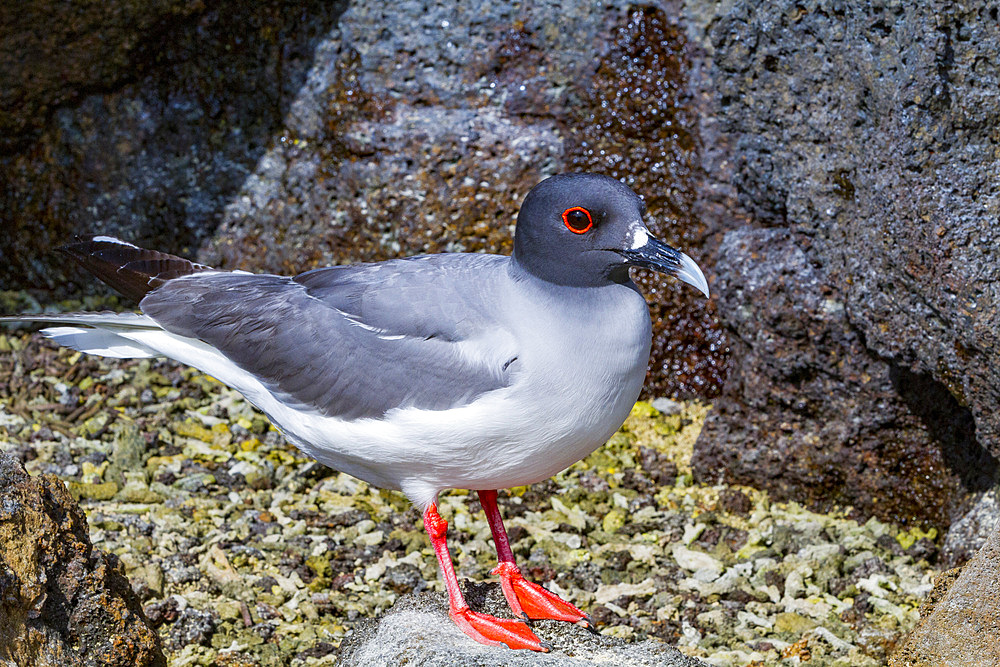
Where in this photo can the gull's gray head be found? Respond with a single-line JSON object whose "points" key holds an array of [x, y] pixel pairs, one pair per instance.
{"points": [[586, 230]]}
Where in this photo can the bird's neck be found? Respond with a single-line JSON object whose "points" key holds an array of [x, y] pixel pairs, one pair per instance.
{"points": [[555, 274], [596, 294]]}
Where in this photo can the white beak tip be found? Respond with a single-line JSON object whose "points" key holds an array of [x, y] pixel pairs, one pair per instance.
{"points": [[690, 272]]}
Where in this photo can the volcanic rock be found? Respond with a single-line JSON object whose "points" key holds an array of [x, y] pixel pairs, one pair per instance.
{"points": [[961, 626], [417, 630], [868, 131]]}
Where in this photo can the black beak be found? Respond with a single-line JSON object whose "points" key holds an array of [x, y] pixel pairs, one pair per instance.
{"points": [[657, 255]]}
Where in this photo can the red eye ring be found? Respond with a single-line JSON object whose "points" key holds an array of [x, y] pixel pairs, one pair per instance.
{"points": [[575, 225]]}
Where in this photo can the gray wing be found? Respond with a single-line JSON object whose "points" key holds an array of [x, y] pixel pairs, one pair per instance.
{"points": [[352, 341]]}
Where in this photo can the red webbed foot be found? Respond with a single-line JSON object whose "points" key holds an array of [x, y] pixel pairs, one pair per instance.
{"points": [[483, 628], [533, 601], [494, 631]]}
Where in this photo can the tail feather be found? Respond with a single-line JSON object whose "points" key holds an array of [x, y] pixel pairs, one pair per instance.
{"points": [[103, 334], [131, 270], [137, 336], [105, 319], [100, 342]]}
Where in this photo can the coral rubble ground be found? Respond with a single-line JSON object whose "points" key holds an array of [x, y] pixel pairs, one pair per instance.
{"points": [[245, 552]]}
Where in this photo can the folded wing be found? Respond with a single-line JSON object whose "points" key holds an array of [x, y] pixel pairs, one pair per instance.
{"points": [[348, 342]]}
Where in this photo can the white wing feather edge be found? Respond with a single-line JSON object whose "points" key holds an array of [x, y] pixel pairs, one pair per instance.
{"points": [[101, 342], [103, 334]]}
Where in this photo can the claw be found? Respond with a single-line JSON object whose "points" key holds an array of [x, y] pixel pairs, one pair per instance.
{"points": [[534, 601], [587, 623], [494, 631]]}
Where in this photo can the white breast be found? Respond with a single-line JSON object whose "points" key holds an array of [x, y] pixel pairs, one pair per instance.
{"points": [[582, 376], [580, 367]]}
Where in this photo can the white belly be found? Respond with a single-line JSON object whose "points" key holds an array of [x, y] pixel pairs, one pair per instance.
{"points": [[572, 390], [578, 373]]}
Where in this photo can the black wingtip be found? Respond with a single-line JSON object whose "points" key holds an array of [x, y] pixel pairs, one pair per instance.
{"points": [[72, 249], [131, 270]]}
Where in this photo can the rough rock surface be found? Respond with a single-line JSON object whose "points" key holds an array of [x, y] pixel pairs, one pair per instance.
{"points": [[84, 48], [418, 631], [869, 130], [819, 418], [962, 629], [316, 135], [968, 535], [62, 602], [139, 119]]}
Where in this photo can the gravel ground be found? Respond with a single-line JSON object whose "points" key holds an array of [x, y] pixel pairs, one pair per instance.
{"points": [[247, 553]]}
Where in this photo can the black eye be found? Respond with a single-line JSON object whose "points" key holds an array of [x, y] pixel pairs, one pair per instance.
{"points": [[577, 220]]}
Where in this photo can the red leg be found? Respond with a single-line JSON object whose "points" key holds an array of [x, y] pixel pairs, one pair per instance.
{"points": [[483, 628], [525, 598]]}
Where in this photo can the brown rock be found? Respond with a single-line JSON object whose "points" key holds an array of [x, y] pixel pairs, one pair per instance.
{"points": [[62, 602], [960, 624]]}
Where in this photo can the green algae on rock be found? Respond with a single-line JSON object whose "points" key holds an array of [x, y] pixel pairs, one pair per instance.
{"points": [[279, 571]]}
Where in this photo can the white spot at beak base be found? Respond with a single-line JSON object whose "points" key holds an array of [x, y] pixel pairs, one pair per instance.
{"points": [[639, 237]]}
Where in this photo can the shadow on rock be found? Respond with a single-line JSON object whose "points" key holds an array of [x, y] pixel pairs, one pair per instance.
{"points": [[138, 119]]}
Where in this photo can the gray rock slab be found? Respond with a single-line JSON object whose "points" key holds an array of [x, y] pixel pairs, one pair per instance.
{"points": [[418, 631], [967, 535]]}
